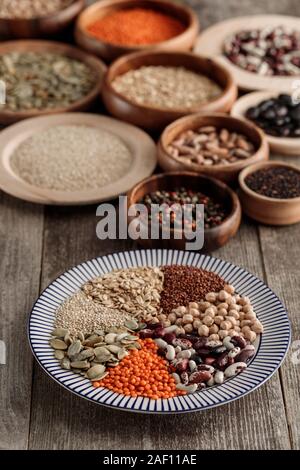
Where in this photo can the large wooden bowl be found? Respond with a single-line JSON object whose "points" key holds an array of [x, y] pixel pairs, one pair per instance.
{"points": [[269, 211], [109, 51], [227, 173], [95, 64], [214, 237], [155, 118], [43, 26]]}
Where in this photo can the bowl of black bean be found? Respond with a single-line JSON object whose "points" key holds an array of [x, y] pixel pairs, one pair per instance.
{"points": [[278, 115], [270, 192]]}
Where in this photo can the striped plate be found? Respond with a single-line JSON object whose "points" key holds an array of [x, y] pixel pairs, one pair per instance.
{"points": [[271, 350]]}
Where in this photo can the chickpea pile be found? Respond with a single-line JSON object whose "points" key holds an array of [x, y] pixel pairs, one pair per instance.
{"points": [[221, 314]]}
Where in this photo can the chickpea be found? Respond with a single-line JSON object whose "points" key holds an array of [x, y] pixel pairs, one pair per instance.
{"points": [[207, 320], [231, 319], [218, 319], [238, 307], [246, 323], [166, 323], [203, 306], [172, 318], [179, 322], [244, 301], [203, 330], [162, 317], [193, 305], [247, 308], [231, 332], [257, 327], [223, 295], [234, 314], [211, 297], [154, 320], [223, 334], [210, 312], [225, 325], [197, 323], [250, 316], [242, 316], [231, 301], [188, 328], [213, 337], [213, 329], [187, 318], [237, 329], [180, 311], [222, 305], [180, 331], [245, 329], [194, 312], [229, 288], [222, 312], [250, 335]]}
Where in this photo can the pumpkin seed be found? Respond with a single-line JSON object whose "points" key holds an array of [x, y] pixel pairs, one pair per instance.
{"points": [[99, 377], [80, 364], [132, 324], [58, 344], [113, 348], [74, 348], [59, 354], [59, 332], [110, 338], [95, 371], [66, 363]]}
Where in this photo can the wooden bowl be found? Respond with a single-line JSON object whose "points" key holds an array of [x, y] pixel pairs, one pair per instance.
{"points": [[43, 26], [264, 209], [282, 145], [227, 173], [155, 118], [214, 237], [109, 51], [96, 65]]}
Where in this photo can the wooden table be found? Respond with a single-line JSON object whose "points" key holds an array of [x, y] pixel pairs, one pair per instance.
{"points": [[37, 243]]}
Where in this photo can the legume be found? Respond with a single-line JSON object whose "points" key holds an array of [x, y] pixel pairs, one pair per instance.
{"points": [[71, 158], [278, 116], [277, 182], [214, 212], [28, 9], [43, 80], [267, 51], [166, 87], [136, 26], [210, 146], [184, 284]]}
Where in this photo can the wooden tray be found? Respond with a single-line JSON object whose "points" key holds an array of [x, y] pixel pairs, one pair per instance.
{"points": [[142, 147], [210, 44], [282, 145]]}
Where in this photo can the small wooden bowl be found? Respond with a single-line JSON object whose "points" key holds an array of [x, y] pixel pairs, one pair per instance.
{"points": [[214, 237], [282, 145], [264, 209], [23, 28], [109, 51], [227, 173], [155, 118], [95, 64]]}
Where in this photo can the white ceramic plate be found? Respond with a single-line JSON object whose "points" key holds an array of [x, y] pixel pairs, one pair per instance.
{"points": [[271, 348], [141, 146], [210, 44], [280, 145]]}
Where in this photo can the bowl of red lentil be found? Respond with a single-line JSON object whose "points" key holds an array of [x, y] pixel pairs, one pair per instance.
{"points": [[270, 193], [216, 144], [153, 89], [222, 210], [29, 19], [112, 28]]}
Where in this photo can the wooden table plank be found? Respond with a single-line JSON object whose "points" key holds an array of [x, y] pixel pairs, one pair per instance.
{"points": [[21, 227]]}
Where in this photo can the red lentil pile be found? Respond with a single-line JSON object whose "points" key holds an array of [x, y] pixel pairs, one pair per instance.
{"points": [[184, 284], [136, 26]]}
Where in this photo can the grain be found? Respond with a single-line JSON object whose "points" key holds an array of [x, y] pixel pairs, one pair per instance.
{"points": [[81, 314], [134, 290], [184, 284], [29, 9], [166, 87], [71, 158]]}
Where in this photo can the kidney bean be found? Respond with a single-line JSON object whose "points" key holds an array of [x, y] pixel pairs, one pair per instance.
{"points": [[170, 355], [184, 377], [187, 388], [239, 341], [153, 326], [147, 333], [191, 338], [234, 352], [159, 332], [213, 344], [192, 366], [186, 353], [206, 367], [170, 329], [219, 377], [246, 353], [182, 365], [183, 343], [210, 360], [169, 337], [161, 343], [201, 385], [176, 377], [203, 352], [222, 361], [235, 369], [196, 358], [200, 343], [199, 376], [227, 343]]}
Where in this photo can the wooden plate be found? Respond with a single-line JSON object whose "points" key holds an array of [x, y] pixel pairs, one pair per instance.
{"points": [[142, 148], [281, 145], [210, 44], [95, 64]]}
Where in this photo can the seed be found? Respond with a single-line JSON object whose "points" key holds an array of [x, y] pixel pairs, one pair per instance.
{"points": [[59, 354], [58, 344], [31, 8], [95, 371], [59, 332], [80, 364], [278, 182], [74, 348]]}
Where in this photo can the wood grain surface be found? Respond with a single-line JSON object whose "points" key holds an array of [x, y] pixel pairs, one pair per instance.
{"points": [[37, 244]]}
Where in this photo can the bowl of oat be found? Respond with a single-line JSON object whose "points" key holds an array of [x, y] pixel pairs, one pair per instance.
{"points": [[152, 89]]}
